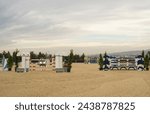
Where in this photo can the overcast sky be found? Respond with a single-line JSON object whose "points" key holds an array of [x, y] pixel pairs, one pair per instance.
{"points": [[84, 25]]}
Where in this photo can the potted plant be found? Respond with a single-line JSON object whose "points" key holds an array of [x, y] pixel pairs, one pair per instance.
{"points": [[67, 67], [68, 62]]}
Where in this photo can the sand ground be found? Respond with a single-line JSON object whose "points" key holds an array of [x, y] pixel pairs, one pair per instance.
{"points": [[84, 80]]}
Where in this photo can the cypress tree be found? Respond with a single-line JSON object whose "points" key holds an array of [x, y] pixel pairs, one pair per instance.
{"points": [[146, 62], [82, 57], [143, 54], [10, 62], [101, 62], [70, 57], [15, 58]]}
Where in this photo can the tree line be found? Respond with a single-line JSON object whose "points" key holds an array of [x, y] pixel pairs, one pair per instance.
{"points": [[76, 58]]}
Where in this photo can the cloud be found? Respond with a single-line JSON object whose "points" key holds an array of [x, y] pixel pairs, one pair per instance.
{"points": [[70, 23]]}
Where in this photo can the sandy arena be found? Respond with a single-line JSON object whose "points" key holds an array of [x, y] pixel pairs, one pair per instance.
{"points": [[84, 80]]}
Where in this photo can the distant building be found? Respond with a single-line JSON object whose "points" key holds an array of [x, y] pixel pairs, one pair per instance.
{"points": [[90, 60]]}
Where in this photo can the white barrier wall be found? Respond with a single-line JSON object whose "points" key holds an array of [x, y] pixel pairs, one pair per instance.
{"points": [[127, 63], [25, 61], [58, 62]]}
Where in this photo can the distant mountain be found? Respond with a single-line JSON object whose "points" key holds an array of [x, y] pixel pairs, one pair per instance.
{"points": [[129, 53], [125, 53]]}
